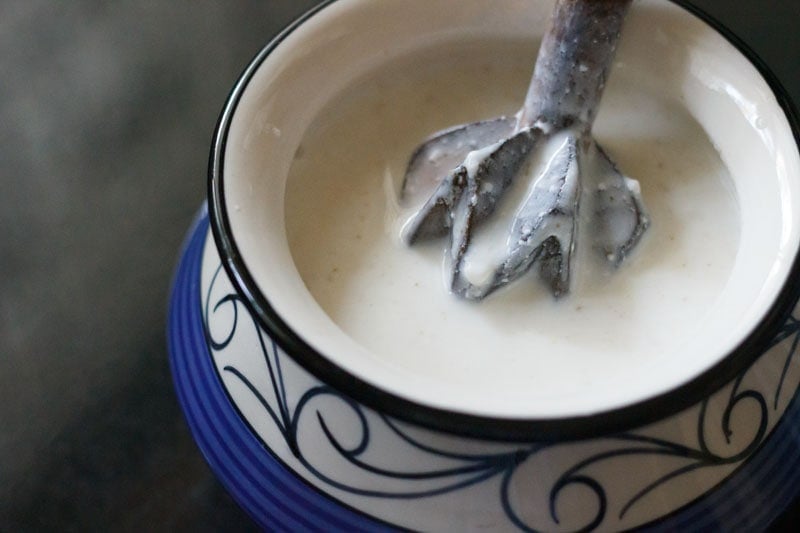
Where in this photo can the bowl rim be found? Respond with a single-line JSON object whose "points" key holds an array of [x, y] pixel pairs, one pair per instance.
{"points": [[593, 425]]}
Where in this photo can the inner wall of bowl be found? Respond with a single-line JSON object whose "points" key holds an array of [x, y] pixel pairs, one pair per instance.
{"points": [[667, 48]]}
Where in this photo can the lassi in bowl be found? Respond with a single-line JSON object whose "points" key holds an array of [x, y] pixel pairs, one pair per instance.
{"points": [[333, 382]]}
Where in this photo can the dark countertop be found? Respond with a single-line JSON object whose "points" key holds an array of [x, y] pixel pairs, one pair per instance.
{"points": [[106, 115]]}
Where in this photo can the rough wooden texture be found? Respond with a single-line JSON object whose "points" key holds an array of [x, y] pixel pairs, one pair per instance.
{"points": [[573, 63]]}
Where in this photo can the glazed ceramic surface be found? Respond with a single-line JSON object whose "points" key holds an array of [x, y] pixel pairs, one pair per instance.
{"points": [[296, 452], [308, 431]]}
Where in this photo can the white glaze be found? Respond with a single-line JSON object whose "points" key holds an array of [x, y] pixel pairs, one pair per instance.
{"points": [[390, 299]]}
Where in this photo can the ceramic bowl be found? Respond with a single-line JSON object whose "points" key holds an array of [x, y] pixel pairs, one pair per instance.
{"points": [[307, 436]]}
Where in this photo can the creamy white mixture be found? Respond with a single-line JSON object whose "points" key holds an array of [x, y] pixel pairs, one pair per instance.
{"points": [[342, 222]]}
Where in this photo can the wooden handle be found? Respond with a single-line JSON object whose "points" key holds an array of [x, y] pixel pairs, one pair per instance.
{"points": [[573, 62]]}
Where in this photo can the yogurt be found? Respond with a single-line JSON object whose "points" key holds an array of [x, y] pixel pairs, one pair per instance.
{"points": [[343, 216]]}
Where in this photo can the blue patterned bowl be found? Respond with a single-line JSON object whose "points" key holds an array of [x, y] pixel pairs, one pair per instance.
{"points": [[305, 442]]}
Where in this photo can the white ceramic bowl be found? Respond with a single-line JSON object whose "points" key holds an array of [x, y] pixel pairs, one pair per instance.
{"points": [[306, 428]]}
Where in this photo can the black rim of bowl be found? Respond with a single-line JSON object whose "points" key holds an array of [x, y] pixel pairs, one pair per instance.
{"points": [[506, 429]]}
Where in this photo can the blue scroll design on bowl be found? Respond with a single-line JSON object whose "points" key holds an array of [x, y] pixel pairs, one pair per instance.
{"points": [[468, 469]]}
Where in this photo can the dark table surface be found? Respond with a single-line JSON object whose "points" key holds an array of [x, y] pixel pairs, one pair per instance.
{"points": [[106, 114]]}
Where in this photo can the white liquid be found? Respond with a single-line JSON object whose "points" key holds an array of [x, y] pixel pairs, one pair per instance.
{"points": [[519, 343]]}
